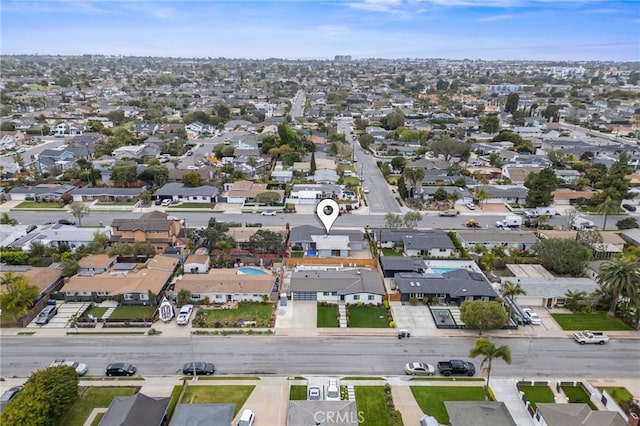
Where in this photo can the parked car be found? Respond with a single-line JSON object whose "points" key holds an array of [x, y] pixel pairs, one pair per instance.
{"points": [[184, 315], [629, 207], [80, 368], [419, 369], [198, 368], [8, 395], [456, 367], [166, 202], [471, 206], [365, 190], [247, 418], [314, 393], [47, 313], [595, 337], [268, 213], [333, 390], [66, 222], [121, 369], [534, 319]]}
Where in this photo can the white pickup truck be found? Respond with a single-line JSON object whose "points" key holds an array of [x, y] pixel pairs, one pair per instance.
{"points": [[583, 337]]}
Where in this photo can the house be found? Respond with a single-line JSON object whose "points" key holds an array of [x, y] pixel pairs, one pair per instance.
{"points": [[449, 287], [138, 409], [505, 194], [392, 265], [242, 235], [325, 176], [313, 240], [326, 413], [478, 413], [311, 193], [567, 197], [57, 235], [128, 152], [280, 174], [549, 291], [242, 191], [197, 264], [550, 414], [179, 192], [348, 286], [611, 243], [95, 264], [517, 174], [465, 196], [632, 236], [155, 228], [106, 194], [226, 285], [42, 192], [130, 281], [202, 414], [431, 243], [568, 177], [47, 280], [490, 238]]}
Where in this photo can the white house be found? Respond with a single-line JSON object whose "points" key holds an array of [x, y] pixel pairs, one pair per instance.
{"points": [[197, 264], [348, 286], [226, 285]]}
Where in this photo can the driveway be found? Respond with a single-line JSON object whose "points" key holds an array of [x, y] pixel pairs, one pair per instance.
{"points": [[405, 403], [269, 400], [417, 319], [297, 318], [65, 311]]}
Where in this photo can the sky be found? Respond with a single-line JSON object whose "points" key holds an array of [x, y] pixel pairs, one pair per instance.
{"points": [[607, 30]]}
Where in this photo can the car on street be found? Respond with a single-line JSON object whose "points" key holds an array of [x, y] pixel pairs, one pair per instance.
{"points": [[81, 369], [198, 368], [419, 369], [120, 369], [247, 418], [534, 319], [268, 213], [365, 190], [66, 222], [8, 395], [594, 337], [184, 315], [314, 393], [333, 390], [471, 206]]}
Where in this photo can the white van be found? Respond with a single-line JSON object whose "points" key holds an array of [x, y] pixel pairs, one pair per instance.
{"points": [[333, 391], [184, 315]]}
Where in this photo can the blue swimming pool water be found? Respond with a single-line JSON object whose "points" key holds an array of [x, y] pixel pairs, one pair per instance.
{"points": [[251, 271], [443, 270]]}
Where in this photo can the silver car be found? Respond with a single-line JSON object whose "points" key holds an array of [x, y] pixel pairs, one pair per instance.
{"points": [[80, 368]]}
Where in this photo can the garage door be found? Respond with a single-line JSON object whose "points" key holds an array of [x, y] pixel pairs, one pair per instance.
{"points": [[305, 295]]}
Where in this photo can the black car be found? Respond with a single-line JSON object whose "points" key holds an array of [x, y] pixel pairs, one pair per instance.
{"points": [[8, 395], [200, 369], [629, 207], [121, 369], [66, 222]]}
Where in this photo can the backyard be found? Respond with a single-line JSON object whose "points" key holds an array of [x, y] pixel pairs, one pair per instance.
{"points": [[372, 406], [537, 394], [431, 398], [368, 316], [93, 397], [261, 313], [217, 394], [391, 252], [327, 316], [133, 312], [590, 321]]}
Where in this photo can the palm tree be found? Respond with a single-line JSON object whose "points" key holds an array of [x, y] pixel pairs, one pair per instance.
{"points": [[574, 299], [607, 207], [620, 276], [488, 351], [510, 290], [415, 176], [481, 195]]}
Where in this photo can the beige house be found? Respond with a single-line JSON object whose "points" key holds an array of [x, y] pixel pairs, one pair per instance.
{"points": [[226, 285]]}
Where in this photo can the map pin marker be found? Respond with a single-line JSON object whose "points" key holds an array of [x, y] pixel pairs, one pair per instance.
{"points": [[328, 211]]}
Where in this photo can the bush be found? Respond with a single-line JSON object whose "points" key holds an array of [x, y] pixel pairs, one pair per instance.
{"points": [[392, 324], [385, 303], [413, 301]]}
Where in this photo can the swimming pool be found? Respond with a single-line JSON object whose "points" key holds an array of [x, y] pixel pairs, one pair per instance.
{"points": [[443, 270], [251, 271]]}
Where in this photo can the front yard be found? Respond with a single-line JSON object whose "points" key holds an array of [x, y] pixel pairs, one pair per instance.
{"points": [[93, 397], [368, 316], [38, 205], [237, 395], [431, 398], [133, 312], [371, 404], [327, 316], [537, 394], [298, 393], [577, 395], [593, 321], [261, 313]]}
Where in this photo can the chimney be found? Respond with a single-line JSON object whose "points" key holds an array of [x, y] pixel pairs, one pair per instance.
{"points": [[633, 419]]}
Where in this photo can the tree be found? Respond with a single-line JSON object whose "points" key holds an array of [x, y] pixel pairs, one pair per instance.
{"points": [[510, 290], [448, 148], [440, 194], [393, 221], [552, 254], [365, 140], [411, 219], [607, 207], [269, 198], [627, 223], [124, 174], [69, 267], [6, 220], [541, 186], [414, 175], [490, 123], [511, 105], [574, 299], [37, 248], [481, 315], [79, 210], [98, 244], [620, 276], [183, 297], [392, 120], [155, 174], [224, 247], [145, 197], [192, 179], [481, 195], [398, 163], [312, 167], [489, 351], [265, 241], [16, 294], [614, 184]]}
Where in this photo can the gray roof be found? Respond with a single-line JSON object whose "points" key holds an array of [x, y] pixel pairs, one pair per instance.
{"points": [[432, 239], [118, 192], [402, 263], [343, 282], [304, 233], [305, 413], [458, 283], [632, 235], [135, 410], [398, 235], [174, 188], [506, 191], [43, 190], [497, 236], [578, 415], [478, 413], [553, 287], [203, 415]]}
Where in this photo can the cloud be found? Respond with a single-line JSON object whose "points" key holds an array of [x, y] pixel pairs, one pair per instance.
{"points": [[495, 18], [385, 6], [334, 31]]}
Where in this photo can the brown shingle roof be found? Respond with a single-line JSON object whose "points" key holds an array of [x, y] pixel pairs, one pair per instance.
{"points": [[96, 261], [225, 281], [152, 221]]}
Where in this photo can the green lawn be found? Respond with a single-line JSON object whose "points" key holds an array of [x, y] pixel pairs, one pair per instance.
{"points": [[619, 394], [194, 206], [372, 404], [133, 312], [116, 203], [328, 316], [296, 254], [96, 311], [217, 394], [298, 393], [261, 313], [97, 418], [350, 181], [577, 395], [93, 397], [536, 394], [390, 252], [431, 398], [37, 205], [594, 321], [367, 316]]}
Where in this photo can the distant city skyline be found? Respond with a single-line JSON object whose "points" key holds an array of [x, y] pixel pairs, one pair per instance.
{"points": [[561, 30]]}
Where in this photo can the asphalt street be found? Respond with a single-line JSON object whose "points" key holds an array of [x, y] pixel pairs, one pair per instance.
{"points": [[262, 355], [297, 104]]}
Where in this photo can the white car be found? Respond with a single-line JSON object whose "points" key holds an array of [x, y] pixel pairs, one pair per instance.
{"points": [[365, 190], [246, 418], [80, 368], [471, 206], [419, 369], [185, 315], [314, 393], [268, 213], [333, 390], [533, 317], [166, 202]]}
